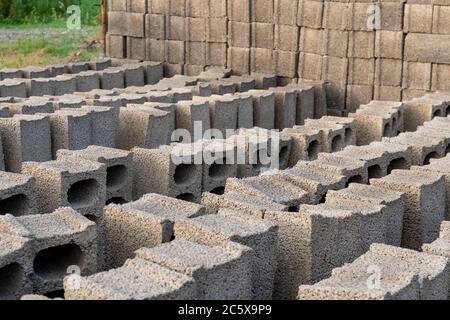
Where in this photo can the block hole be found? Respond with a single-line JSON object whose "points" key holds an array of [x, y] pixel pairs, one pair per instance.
{"points": [[337, 144], [284, 155], [447, 111], [437, 113], [220, 169], [447, 150], [83, 194], [55, 294], [116, 177], [186, 197], [397, 164], [91, 217], [313, 149], [355, 179], [394, 124], [52, 263], [293, 209], [219, 191], [387, 130], [11, 281], [16, 205], [348, 135], [185, 174], [375, 171], [430, 156], [323, 199], [116, 200]]}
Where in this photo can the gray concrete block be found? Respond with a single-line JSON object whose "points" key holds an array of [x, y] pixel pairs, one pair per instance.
{"points": [[18, 194], [13, 88], [76, 183], [25, 138], [177, 176]]}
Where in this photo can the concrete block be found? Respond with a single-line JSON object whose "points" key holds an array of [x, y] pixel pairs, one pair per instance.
{"points": [[155, 50], [238, 59], [306, 144], [195, 29], [78, 67], [144, 126], [286, 63], [337, 15], [420, 110], [87, 81], [136, 280], [310, 14], [176, 28], [147, 222], [39, 87], [104, 125], [332, 135], [100, 64], [389, 44], [134, 75], [418, 18], [440, 77], [223, 111], [35, 72], [112, 79], [236, 226], [388, 72], [58, 240], [263, 108], [261, 60], [31, 106], [13, 88], [18, 196], [306, 102], [216, 30], [75, 183], [25, 138], [245, 111], [439, 14], [15, 266], [424, 206], [136, 48], [310, 66], [119, 169], [115, 46], [285, 107], [208, 266], [190, 113], [262, 11], [361, 45], [392, 202], [177, 176], [65, 84], [286, 12], [239, 10], [427, 48]]}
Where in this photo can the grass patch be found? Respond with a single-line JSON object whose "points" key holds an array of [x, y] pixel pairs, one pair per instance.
{"points": [[64, 48]]}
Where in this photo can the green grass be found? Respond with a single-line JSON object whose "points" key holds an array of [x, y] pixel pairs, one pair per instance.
{"points": [[63, 49], [33, 12]]}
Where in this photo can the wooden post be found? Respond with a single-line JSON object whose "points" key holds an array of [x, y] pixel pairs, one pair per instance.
{"points": [[103, 25]]}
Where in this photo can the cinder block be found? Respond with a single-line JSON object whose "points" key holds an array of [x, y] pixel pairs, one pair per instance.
{"points": [[134, 24], [264, 81], [306, 144], [262, 11], [104, 125], [133, 74], [286, 63], [372, 125], [87, 81], [75, 183], [270, 186], [13, 88], [147, 222], [209, 266], [286, 12], [440, 77], [255, 206], [261, 60], [245, 111], [361, 45], [155, 50], [31, 106], [313, 41], [175, 51], [392, 202], [419, 110], [25, 138], [389, 44], [305, 102], [35, 72], [136, 48], [65, 84], [18, 196], [78, 67], [239, 10], [424, 206], [354, 170], [144, 126], [228, 225], [348, 284], [336, 43], [286, 38], [57, 241], [418, 18], [15, 266], [216, 30], [337, 15], [285, 107], [310, 66], [112, 79], [430, 270], [310, 13], [190, 113], [138, 6], [195, 53], [216, 8], [387, 93], [332, 135], [100, 64], [155, 26], [178, 175], [263, 108], [195, 29], [196, 9], [315, 182], [136, 280], [239, 34], [117, 5], [119, 169], [223, 111], [427, 48], [10, 73], [439, 16], [238, 59], [388, 72]]}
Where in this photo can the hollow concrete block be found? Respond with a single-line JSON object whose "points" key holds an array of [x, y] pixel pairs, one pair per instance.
{"points": [[17, 194], [177, 173], [306, 143], [209, 266], [76, 183], [25, 138], [235, 226], [424, 206]]}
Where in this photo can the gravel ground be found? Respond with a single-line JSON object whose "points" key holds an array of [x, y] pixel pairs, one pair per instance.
{"points": [[12, 35]]}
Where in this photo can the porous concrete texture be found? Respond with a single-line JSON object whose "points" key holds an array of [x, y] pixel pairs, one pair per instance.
{"points": [[17, 194], [425, 205], [58, 241], [232, 225], [178, 177], [119, 169], [146, 222], [76, 183], [209, 266]]}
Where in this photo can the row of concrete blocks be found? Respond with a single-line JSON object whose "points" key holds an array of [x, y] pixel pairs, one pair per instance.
{"points": [[38, 137], [55, 70], [110, 78], [266, 204], [310, 183], [385, 273]]}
